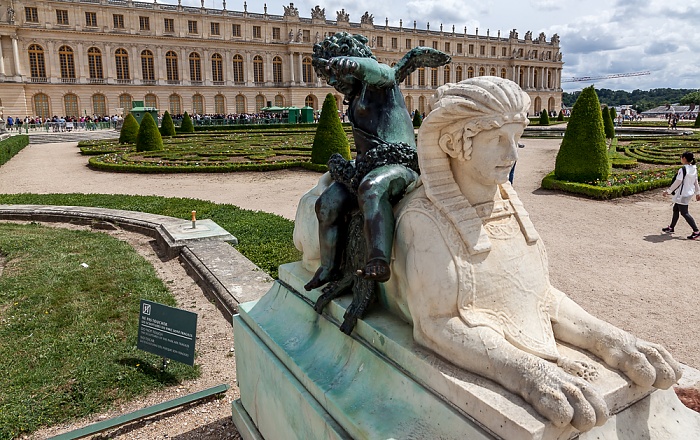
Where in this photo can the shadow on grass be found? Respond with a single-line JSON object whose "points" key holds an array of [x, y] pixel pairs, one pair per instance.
{"points": [[150, 370]]}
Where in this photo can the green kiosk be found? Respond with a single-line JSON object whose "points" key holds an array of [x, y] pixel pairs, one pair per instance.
{"points": [[138, 110]]}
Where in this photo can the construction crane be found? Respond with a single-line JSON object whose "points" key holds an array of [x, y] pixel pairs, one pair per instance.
{"points": [[614, 75]]}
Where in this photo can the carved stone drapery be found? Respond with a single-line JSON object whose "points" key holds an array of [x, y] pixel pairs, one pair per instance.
{"points": [[342, 16], [317, 13], [291, 11], [367, 18]]}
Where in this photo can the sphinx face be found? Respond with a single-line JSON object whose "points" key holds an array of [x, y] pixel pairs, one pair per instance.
{"points": [[493, 154]]}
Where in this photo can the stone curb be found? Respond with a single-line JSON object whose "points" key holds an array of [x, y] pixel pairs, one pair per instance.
{"points": [[225, 275]]}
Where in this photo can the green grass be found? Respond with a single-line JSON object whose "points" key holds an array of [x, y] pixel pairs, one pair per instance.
{"points": [[68, 332], [662, 150], [265, 239]]}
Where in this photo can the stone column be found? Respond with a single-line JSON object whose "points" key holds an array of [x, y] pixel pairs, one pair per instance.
{"points": [[268, 68], [159, 64], [185, 66], [136, 63], [300, 68], [49, 60], [249, 69], [108, 69], [15, 53], [82, 65], [207, 73], [2, 60], [291, 68]]}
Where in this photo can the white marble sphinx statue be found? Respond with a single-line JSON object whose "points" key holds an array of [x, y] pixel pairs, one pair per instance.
{"points": [[470, 273]]}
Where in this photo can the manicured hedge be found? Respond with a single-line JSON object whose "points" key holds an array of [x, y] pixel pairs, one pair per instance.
{"points": [[11, 146], [330, 137], [98, 164], [129, 131], [186, 126], [608, 192], [167, 127], [544, 118], [149, 138]]}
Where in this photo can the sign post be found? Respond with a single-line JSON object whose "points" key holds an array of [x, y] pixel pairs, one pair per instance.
{"points": [[168, 332]]}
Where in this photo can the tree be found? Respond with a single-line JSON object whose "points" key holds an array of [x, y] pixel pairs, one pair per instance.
{"points": [[608, 125], [130, 130], [691, 98], [583, 155], [167, 127], [613, 114], [186, 126], [544, 117], [697, 121], [149, 138], [417, 119], [330, 137], [560, 116]]}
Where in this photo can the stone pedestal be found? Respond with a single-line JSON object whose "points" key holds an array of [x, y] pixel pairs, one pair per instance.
{"points": [[300, 377]]}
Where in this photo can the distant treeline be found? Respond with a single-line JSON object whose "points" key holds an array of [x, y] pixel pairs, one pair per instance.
{"points": [[641, 100]]}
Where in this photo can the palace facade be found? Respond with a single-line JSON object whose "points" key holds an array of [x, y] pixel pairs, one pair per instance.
{"points": [[77, 57]]}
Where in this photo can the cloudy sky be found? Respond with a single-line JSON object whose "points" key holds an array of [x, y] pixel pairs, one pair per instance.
{"points": [[598, 37]]}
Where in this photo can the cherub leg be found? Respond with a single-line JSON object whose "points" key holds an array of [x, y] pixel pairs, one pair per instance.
{"points": [[331, 210], [645, 363], [379, 190]]}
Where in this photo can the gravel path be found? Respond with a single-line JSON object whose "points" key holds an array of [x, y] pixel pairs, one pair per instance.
{"points": [[610, 257]]}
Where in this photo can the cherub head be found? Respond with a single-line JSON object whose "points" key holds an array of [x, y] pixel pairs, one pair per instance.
{"points": [[342, 44]]}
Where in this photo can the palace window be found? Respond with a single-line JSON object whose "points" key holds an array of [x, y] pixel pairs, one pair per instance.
{"points": [[150, 101], [195, 67], [70, 105], [121, 58], [310, 101], [408, 43], [459, 47], [95, 64], [236, 30], [434, 77], [277, 70], [91, 19], [144, 23], [409, 80], [61, 16], [447, 47], [257, 31], [446, 74], [307, 70], [493, 51], [99, 104], [169, 25], [421, 104], [217, 68], [470, 72], [215, 29], [482, 71], [493, 71], [198, 104], [219, 105], [306, 36], [279, 101], [118, 20], [67, 62], [238, 69], [421, 76], [240, 104], [125, 102], [458, 74], [482, 50], [421, 43], [503, 73], [41, 105], [471, 49], [435, 45], [259, 103], [147, 66], [276, 33], [258, 72], [394, 43], [175, 104], [380, 41], [192, 26], [31, 15], [171, 66], [504, 52]]}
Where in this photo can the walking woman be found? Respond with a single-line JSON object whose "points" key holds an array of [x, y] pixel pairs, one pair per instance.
{"points": [[683, 188]]}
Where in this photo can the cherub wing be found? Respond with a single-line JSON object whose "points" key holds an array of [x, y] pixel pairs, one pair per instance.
{"points": [[419, 57]]}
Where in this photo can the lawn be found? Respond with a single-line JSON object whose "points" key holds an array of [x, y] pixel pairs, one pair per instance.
{"points": [[69, 304]]}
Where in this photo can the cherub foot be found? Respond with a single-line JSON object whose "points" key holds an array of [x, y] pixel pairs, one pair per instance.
{"points": [[321, 277], [376, 270]]}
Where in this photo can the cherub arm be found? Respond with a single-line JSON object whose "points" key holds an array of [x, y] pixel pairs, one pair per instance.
{"points": [[645, 363], [367, 70]]}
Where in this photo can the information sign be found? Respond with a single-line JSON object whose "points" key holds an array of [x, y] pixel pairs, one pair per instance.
{"points": [[167, 331]]}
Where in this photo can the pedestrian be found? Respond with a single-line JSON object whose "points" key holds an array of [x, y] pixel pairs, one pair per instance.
{"points": [[683, 188]]}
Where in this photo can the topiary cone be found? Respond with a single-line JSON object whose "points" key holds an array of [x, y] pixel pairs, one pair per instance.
{"points": [[167, 127], [608, 125], [583, 155], [417, 119], [149, 138], [560, 116], [129, 131], [697, 121], [544, 117], [330, 137], [186, 126]]}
